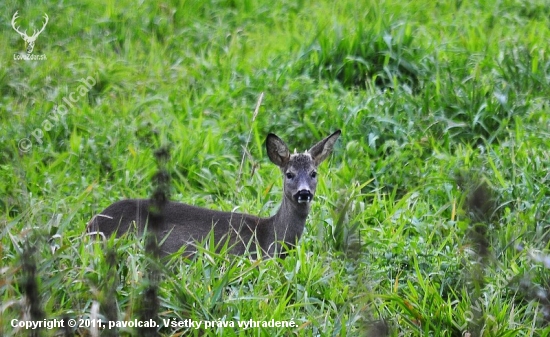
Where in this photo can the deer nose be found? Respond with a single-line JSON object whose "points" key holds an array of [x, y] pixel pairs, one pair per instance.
{"points": [[303, 196]]}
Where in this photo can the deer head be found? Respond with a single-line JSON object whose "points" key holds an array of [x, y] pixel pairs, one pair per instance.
{"points": [[29, 40]]}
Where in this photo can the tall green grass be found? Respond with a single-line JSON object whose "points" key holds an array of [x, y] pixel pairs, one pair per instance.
{"points": [[432, 98]]}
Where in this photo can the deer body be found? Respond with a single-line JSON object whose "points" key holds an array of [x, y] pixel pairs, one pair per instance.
{"points": [[185, 225]]}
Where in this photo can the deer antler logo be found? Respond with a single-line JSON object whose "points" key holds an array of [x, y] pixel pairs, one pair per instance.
{"points": [[29, 40]]}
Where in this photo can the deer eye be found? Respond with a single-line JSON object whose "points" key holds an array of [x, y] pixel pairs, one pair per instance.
{"points": [[313, 174], [289, 175]]}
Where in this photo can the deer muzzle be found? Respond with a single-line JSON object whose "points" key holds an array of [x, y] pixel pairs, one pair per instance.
{"points": [[303, 196]]}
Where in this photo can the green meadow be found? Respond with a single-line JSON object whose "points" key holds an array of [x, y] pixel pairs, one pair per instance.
{"points": [[431, 217]]}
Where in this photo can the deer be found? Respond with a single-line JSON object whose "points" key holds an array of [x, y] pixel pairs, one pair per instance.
{"points": [[29, 40], [186, 225]]}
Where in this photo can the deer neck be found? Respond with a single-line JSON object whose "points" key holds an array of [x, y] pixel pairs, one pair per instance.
{"points": [[289, 221]]}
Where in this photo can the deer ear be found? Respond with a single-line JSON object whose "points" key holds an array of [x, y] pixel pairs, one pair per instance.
{"points": [[322, 150], [277, 150]]}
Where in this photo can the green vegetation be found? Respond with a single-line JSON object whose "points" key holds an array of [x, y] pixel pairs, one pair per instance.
{"points": [[432, 216]]}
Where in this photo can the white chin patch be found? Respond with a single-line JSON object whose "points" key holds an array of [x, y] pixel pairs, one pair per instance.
{"points": [[302, 201]]}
